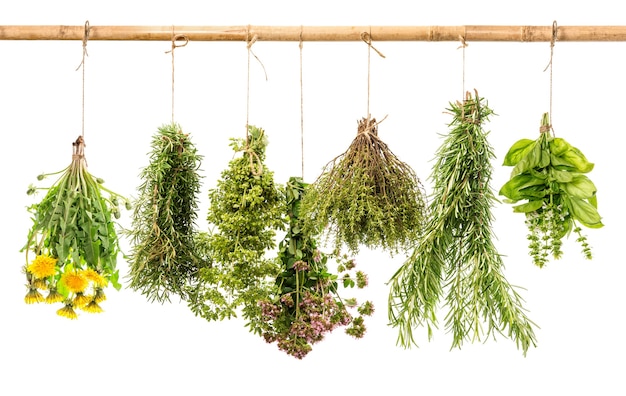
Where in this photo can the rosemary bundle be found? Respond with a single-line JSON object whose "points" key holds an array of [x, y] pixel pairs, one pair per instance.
{"points": [[549, 176], [165, 259], [246, 209], [366, 196], [455, 254], [74, 240], [305, 304]]}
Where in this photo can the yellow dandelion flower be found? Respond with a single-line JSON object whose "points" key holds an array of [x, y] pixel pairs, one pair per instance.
{"points": [[81, 300], [67, 312], [33, 296], [40, 284], [93, 276], [99, 296], [53, 296], [93, 307], [42, 266], [74, 281]]}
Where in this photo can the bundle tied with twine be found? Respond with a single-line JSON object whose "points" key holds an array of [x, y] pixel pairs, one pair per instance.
{"points": [[366, 196]]}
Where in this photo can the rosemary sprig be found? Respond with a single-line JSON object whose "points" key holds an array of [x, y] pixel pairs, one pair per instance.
{"points": [[165, 257], [456, 254]]}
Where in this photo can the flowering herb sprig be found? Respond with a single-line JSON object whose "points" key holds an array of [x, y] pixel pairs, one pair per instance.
{"points": [[305, 304], [246, 209], [549, 177], [74, 240]]}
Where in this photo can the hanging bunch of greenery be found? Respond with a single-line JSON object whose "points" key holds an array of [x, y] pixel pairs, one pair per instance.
{"points": [[165, 258], [246, 209], [366, 196], [305, 304], [456, 254], [549, 177], [73, 239]]}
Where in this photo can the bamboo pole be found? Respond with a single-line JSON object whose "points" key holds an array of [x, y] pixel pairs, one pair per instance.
{"points": [[316, 33]]}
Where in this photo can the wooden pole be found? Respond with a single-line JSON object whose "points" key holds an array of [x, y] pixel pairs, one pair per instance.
{"points": [[316, 33]]}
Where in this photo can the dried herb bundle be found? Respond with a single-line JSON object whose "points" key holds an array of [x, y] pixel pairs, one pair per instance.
{"points": [[305, 304], [549, 175], [366, 196], [165, 259], [456, 254], [246, 209], [74, 240]]}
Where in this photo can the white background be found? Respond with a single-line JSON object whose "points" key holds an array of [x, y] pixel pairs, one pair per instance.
{"points": [[135, 347]]}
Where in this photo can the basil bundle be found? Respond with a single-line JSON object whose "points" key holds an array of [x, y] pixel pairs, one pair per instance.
{"points": [[549, 177]]}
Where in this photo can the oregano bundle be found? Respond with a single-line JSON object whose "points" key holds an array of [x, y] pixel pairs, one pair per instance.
{"points": [[246, 209]]}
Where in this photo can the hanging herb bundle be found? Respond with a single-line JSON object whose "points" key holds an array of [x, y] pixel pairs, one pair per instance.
{"points": [[246, 208], [456, 254], [74, 240], [366, 196], [549, 176], [305, 304], [165, 258]]}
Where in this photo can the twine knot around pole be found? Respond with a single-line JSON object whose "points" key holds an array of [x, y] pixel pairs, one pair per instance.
{"points": [[367, 38]]}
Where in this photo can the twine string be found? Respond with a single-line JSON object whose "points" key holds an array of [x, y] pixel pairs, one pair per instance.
{"points": [[367, 38], [550, 66], [82, 65], [300, 46], [462, 47], [175, 44]]}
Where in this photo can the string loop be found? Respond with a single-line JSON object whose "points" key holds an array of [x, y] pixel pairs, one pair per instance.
{"points": [[176, 39]]}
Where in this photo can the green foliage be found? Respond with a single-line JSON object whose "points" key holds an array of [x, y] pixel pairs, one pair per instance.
{"points": [[74, 223], [165, 257], [455, 255], [548, 177], [246, 209], [305, 303], [366, 196]]}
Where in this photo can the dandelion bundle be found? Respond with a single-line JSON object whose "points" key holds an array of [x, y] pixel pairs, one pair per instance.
{"points": [[455, 254], [366, 196], [74, 240], [305, 304], [549, 176], [246, 209], [165, 259]]}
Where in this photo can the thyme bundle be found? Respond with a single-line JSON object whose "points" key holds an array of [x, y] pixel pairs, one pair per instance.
{"points": [[549, 176], [366, 196], [456, 254], [165, 257], [305, 303], [74, 240], [246, 209]]}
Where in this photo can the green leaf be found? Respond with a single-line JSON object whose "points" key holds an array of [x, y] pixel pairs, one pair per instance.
{"points": [[558, 146], [585, 213], [580, 187], [528, 207], [519, 150], [573, 158], [512, 189]]}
